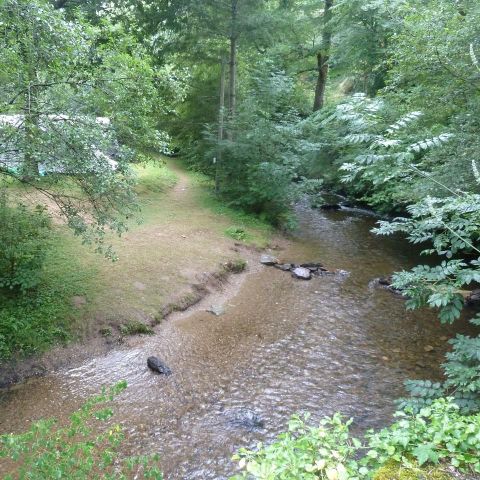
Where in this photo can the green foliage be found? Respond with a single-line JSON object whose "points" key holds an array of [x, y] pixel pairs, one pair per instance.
{"points": [[305, 452], [380, 159], [258, 230], [58, 77], [462, 372], [436, 434], [365, 29], [451, 225], [261, 168], [33, 322], [237, 233], [87, 447], [24, 240]]}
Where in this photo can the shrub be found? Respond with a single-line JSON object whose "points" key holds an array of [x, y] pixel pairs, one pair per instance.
{"points": [[325, 452], [437, 433], [77, 450], [24, 240], [236, 266], [412, 445], [32, 323], [237, 233]]}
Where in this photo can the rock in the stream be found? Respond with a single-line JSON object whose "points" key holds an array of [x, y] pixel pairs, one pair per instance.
{"points": [[313, 267], [473, 297], [385, 281], [268, 260], [217, 310], [330, 206], [302, 273], [155, 364], [286, 267], [243, 417]]}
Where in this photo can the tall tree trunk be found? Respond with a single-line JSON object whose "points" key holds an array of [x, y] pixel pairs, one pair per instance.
{"points": [[233, 77], [323, 57], [232, 104], [30, 124], [221, 121]]}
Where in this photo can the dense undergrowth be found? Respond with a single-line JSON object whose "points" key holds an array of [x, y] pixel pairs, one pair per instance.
{"points": [[85, 447], [35, 320]]}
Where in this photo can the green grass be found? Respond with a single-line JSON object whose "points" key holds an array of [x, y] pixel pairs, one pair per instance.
{"points": [[245, 227], [37, 320], [238, 265], [154, 177]]}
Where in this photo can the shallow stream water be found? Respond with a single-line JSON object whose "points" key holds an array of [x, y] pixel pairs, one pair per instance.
{"points": [[283, 346]]}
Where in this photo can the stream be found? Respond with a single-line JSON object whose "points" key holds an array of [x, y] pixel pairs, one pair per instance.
{"points": [[283, 346]]}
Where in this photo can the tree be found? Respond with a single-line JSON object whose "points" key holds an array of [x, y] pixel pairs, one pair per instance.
{"points": [[58, 77], [323, 56]]}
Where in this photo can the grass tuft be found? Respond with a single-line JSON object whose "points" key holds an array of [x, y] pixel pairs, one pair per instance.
{"points": [[135, 327], [236, 266]]}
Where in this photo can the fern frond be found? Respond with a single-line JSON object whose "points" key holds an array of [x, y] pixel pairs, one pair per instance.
{"points": [[474, 57], [476, 173], [403, 122], [356, 138], [371, 158], [385, 142], [430, 142]]}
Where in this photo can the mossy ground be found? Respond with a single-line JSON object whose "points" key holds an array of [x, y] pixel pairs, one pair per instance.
{"points": [[181, 235], [395, 471]]}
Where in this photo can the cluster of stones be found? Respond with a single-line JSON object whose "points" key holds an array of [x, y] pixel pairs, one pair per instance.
{"points": [[303, 271]]}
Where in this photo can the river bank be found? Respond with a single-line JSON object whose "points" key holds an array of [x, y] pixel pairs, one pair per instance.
{"points": [[169, 262]]}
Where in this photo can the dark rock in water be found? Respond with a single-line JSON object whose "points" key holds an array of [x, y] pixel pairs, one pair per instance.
{"points": [[286, 267], [313, 267], [268, 260], [330, 206], [158, 366], [385, 281], [302, 273], [473, 297], [244, 418]]}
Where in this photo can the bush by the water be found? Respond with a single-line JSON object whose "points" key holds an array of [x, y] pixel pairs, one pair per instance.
{"points": [[87, 447], [24, 240], [43, 316], [437, 435]]}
